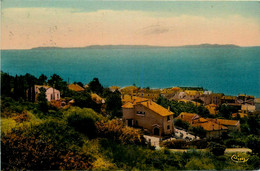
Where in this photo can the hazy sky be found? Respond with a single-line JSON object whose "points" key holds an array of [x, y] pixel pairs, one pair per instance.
{"points": [[26, 24]]}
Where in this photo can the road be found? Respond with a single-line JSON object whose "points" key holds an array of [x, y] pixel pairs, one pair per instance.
{"points": [[155, 141]]}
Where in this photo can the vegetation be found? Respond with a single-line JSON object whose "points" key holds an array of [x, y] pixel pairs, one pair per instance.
{"points": [[198, 131], [182, 124], [178, 107], [36, 134], [216, 148]]}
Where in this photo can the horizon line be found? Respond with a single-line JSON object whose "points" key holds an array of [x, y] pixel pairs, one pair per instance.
{"points": [[66, 47]]}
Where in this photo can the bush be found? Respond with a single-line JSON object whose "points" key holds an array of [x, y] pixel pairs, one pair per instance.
{"points": [[216, 148], [115, 130], [176, 144], [235, 142], [7, 124], [182, 124], [200, 164], [83, 120], [20, 152], [200, 144], [57, 132], [253, 142]]}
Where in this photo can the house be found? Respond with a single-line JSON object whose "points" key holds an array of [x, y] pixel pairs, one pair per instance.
{"points": [[188, 117], [192, 94], [114, 88], [75, 87], [51, 93], [187, 101], [96, 98], [232, 125], [86, 86], [146, 114], [212, 129], [228, 99], [257, 104], [205, 98], [212, 108], [179, 95], [248, 107], [242, 98], [216, 98], [241, 114]]}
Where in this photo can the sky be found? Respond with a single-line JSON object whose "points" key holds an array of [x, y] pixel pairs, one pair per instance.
{"points": [[32, 23]]}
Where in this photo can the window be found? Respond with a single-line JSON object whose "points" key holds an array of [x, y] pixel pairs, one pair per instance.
{"points": [[168, 127], [140, 113], [168, 118], [57, 96]]}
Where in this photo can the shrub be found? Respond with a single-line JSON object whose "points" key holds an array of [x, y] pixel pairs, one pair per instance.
{"points": [[177, 144], [254, 162], [216, 148], [182, 124], [83, 120], [199, 131], [199, 164], [7, 124], [253, 142], [200, 144], [74, 161], [115, 130], [235, 142], [57, 132], [20, 152]]}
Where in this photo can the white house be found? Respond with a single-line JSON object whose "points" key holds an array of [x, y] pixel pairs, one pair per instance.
{"points": [[51, 93]]}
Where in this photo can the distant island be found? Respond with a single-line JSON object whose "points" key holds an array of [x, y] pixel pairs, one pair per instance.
{"points": [[139, 46]]}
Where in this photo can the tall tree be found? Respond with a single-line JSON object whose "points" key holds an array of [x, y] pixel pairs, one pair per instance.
{"points": [[42, 79], [57, 82], [95, 86], [114, 103], [42, 101]]}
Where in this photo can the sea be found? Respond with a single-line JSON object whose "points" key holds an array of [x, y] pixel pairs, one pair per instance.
{"points": [[231, 71]]}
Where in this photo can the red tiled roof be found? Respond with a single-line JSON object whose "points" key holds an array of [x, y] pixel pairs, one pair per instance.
{"points": [[75, 87], [210, 126]]}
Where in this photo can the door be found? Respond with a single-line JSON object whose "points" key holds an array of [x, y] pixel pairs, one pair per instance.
{"points": [[156, 131], [129, 122]]}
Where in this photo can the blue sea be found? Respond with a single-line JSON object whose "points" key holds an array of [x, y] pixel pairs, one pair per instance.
{"points": [[227, 70]]}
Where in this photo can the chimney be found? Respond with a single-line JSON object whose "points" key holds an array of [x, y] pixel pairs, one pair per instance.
{"points": [[169, 108]]}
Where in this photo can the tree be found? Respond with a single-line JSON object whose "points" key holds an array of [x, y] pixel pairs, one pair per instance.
{"points": [[83, 120], [42, 79], [253, 142], [182, 124], [83, 100], [114, 103], [199, 131], [57, 82], [79, 83], [216, 148], [95, 86], [42, 101], [6, 87], [254, 123], [226, 111]]}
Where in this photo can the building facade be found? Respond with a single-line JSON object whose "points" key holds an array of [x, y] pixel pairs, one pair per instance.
{"points": [[51, 93], [149, 116]]}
